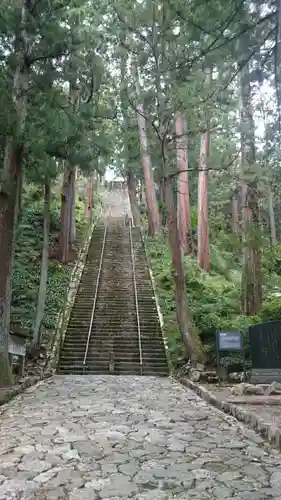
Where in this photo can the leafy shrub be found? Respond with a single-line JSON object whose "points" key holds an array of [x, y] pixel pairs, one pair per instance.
{"points": [[271, 310], [26, 271], [214, 298]]}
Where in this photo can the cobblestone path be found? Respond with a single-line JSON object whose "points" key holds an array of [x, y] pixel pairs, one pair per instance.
{"points": [[96, 437]]}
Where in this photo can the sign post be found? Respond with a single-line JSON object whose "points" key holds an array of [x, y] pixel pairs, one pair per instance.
{"points": [[229, 341]]}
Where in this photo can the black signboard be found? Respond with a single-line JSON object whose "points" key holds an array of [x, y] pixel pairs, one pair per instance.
{"points": [[229, 341], [265, 348]]}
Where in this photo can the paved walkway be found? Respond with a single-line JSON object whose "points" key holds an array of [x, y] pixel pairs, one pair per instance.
{"points": [[97, 437]]}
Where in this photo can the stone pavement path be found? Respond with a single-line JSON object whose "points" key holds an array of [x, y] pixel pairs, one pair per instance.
{"points": [[102, 437]]}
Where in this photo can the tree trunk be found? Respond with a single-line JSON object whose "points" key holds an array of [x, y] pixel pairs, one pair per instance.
{"points": [[131, 178], [251, 285], [132, 188], [18, 197], [278, 63], [235, 214], [184, 210], [251, 275], [8, 191], [184, 321], [272, 217], [8, 201], [154, 225], [63, 253], [89, 199], [142, 195], [203, 253], [72, 228], [7, 205], [44, 270], [162, 201]]}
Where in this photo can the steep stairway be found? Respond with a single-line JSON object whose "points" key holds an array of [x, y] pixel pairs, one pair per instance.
{"points": [[73, 351], [125, 336], [153, 349], [114, 345]]}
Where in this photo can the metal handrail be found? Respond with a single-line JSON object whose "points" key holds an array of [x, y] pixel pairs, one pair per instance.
{"points": [[95, 297], [136, 294]]}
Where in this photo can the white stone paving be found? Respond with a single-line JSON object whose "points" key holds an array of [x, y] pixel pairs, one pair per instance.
{"points": [[106, 437]]}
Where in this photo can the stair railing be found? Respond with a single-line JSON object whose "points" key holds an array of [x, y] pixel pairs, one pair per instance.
{"points": [[95, 298], [136, 295]]}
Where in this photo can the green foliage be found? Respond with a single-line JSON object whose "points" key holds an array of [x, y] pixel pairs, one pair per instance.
{"points": [[271, 309], [214, 299], [72, 53], [26, 275]]}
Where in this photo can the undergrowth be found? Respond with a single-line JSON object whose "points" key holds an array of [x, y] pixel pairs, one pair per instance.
{"points": [[26, 271], [214, 298]]}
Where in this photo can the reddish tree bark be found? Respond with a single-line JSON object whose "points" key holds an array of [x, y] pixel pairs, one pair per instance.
{"points": [[251, 283], [184, 321], [278, 62], [154, 225], [184, 210], [203, 253], [42, 293], [8, 202], [162, 200], [162, 196], [11, 179], [132, 189], [235, 214], [65, 215], [272, 217], [72, 221], [251, 275], [89, 198]]}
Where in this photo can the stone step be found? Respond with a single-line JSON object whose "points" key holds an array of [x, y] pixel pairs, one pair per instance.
{"points": [[118, 357], [79, 371], [118, 364], [107, 342], [114, 323], [119, 351]]}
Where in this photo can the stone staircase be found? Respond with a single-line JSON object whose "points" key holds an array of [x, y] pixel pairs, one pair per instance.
{"points": [[114, 346]]}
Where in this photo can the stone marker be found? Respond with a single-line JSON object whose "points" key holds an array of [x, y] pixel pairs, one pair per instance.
{"points": [[265, 347]]}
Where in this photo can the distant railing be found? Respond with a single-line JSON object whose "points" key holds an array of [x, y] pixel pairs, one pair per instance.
{"points": [[95, 297], [136, 296], [58, 339]]}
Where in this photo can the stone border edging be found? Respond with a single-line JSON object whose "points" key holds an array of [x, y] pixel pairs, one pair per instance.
{"points": [[270, 432], [8, 394]]}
